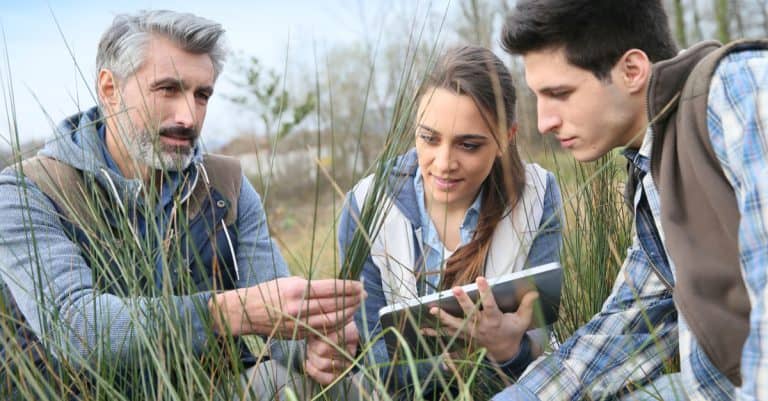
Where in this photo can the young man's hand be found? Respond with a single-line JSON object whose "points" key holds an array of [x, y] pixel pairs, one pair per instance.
{"points": [[286, 306], [325, 362]]}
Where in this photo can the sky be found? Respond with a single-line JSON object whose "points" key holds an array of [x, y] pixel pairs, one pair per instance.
{"points": [[50, 68]]}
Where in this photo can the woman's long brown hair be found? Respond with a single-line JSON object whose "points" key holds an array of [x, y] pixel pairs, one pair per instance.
{"points": [[476, 72]]}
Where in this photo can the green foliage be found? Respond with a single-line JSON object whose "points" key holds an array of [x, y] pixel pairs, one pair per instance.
{"points": [[598, 231], [265, 94]]}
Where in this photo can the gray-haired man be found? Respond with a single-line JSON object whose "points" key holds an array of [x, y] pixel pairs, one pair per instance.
{"points": [[122, 225]]}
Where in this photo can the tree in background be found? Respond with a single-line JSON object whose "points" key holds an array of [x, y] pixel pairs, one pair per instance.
{"points": [[722, 21], [265, 94]]}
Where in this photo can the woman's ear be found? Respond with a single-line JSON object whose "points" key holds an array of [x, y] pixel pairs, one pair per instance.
{"points": [[511, 132], [108, 90]]}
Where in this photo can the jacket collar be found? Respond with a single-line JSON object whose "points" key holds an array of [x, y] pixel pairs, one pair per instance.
{"points": [[667, 80], [77, 143], [401, 186]]}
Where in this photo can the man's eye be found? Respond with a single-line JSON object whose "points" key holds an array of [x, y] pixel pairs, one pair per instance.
{"points": [[203, 98], [168, 90]]}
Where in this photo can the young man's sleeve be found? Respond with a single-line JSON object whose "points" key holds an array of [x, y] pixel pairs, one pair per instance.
{"points": [[54, 288], [737, 118], [629, 340]]}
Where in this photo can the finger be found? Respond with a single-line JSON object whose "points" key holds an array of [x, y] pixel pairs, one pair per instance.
{"points": [[326, 323], [350, 333], [446, 319], [464, 301], [322, 306], [317, 374], [525, 310], [486, 296], [430, 332], [334, 288], [318, 348]]}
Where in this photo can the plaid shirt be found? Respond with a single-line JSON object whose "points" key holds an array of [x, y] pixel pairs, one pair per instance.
{"points": [[638, 328]]}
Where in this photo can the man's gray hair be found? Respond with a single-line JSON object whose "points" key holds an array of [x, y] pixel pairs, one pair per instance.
{"points": [[122, 46]]}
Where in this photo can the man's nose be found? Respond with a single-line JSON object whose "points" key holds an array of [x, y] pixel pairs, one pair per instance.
{"points": [[547, 119], [184, 112]]}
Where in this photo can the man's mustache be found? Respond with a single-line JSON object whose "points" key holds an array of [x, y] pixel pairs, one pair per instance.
{"points": [[179, 132]]}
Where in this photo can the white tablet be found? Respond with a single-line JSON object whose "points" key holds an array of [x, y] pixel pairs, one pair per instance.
{"points": [[407, 317]]}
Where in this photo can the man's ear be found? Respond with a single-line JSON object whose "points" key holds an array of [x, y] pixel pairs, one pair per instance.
{"points": [[108, 89], [634, 70]]}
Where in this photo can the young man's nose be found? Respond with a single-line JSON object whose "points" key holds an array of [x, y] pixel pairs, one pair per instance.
{"points": [[547, 120]]}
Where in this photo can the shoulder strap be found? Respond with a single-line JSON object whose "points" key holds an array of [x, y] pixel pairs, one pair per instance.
{"points": [[225, 175], [66, 187]]}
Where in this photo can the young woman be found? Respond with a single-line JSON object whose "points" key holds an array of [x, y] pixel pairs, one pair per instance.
{"points": [[461, 207]]}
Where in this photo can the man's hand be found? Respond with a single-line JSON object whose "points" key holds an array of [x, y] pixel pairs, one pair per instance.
{"points": [[324, 361], [286, 306]]}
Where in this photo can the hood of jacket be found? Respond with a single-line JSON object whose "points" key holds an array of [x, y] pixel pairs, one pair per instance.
{"points": [[400, 186]]}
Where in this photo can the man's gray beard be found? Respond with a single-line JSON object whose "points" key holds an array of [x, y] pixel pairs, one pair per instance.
{"points": [[146, 148]]}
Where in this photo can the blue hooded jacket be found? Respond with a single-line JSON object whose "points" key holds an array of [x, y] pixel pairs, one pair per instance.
{"points": [[75, 296]]}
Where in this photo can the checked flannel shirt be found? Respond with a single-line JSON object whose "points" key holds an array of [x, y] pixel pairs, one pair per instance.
{"points": [[638, 328]]}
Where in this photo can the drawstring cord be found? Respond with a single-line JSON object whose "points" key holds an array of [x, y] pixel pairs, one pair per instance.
{"points": [[201, 168]]}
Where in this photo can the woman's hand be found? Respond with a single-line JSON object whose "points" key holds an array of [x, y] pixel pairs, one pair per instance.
{"points": [[500, 333]]}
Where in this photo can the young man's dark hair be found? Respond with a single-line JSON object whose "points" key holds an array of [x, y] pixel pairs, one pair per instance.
{"points": [[594, 33], [692, 128]]}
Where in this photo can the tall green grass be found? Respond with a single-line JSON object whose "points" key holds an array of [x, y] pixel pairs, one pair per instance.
{"points": [[161, 364]]}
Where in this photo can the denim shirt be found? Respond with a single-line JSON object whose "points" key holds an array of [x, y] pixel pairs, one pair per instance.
{"points": [[544, 249], [168, 189], [432, 247]]}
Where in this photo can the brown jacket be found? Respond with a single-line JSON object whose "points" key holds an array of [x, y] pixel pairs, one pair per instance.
{"points": [[699, 213]]}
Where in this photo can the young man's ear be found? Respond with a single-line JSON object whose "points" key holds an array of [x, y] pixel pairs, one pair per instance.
{"points": [[107, 86], [634, 70]]}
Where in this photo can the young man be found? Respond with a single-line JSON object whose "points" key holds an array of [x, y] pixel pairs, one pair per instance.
{"points": [[121, 224], [606, 74]]}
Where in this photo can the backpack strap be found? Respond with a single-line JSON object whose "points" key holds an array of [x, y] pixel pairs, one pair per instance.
{"points": [[225, 175], [67, 188]]}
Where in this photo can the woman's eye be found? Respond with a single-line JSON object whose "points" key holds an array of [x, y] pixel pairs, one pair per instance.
{"points": [[428, 138], [469, 146]]}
